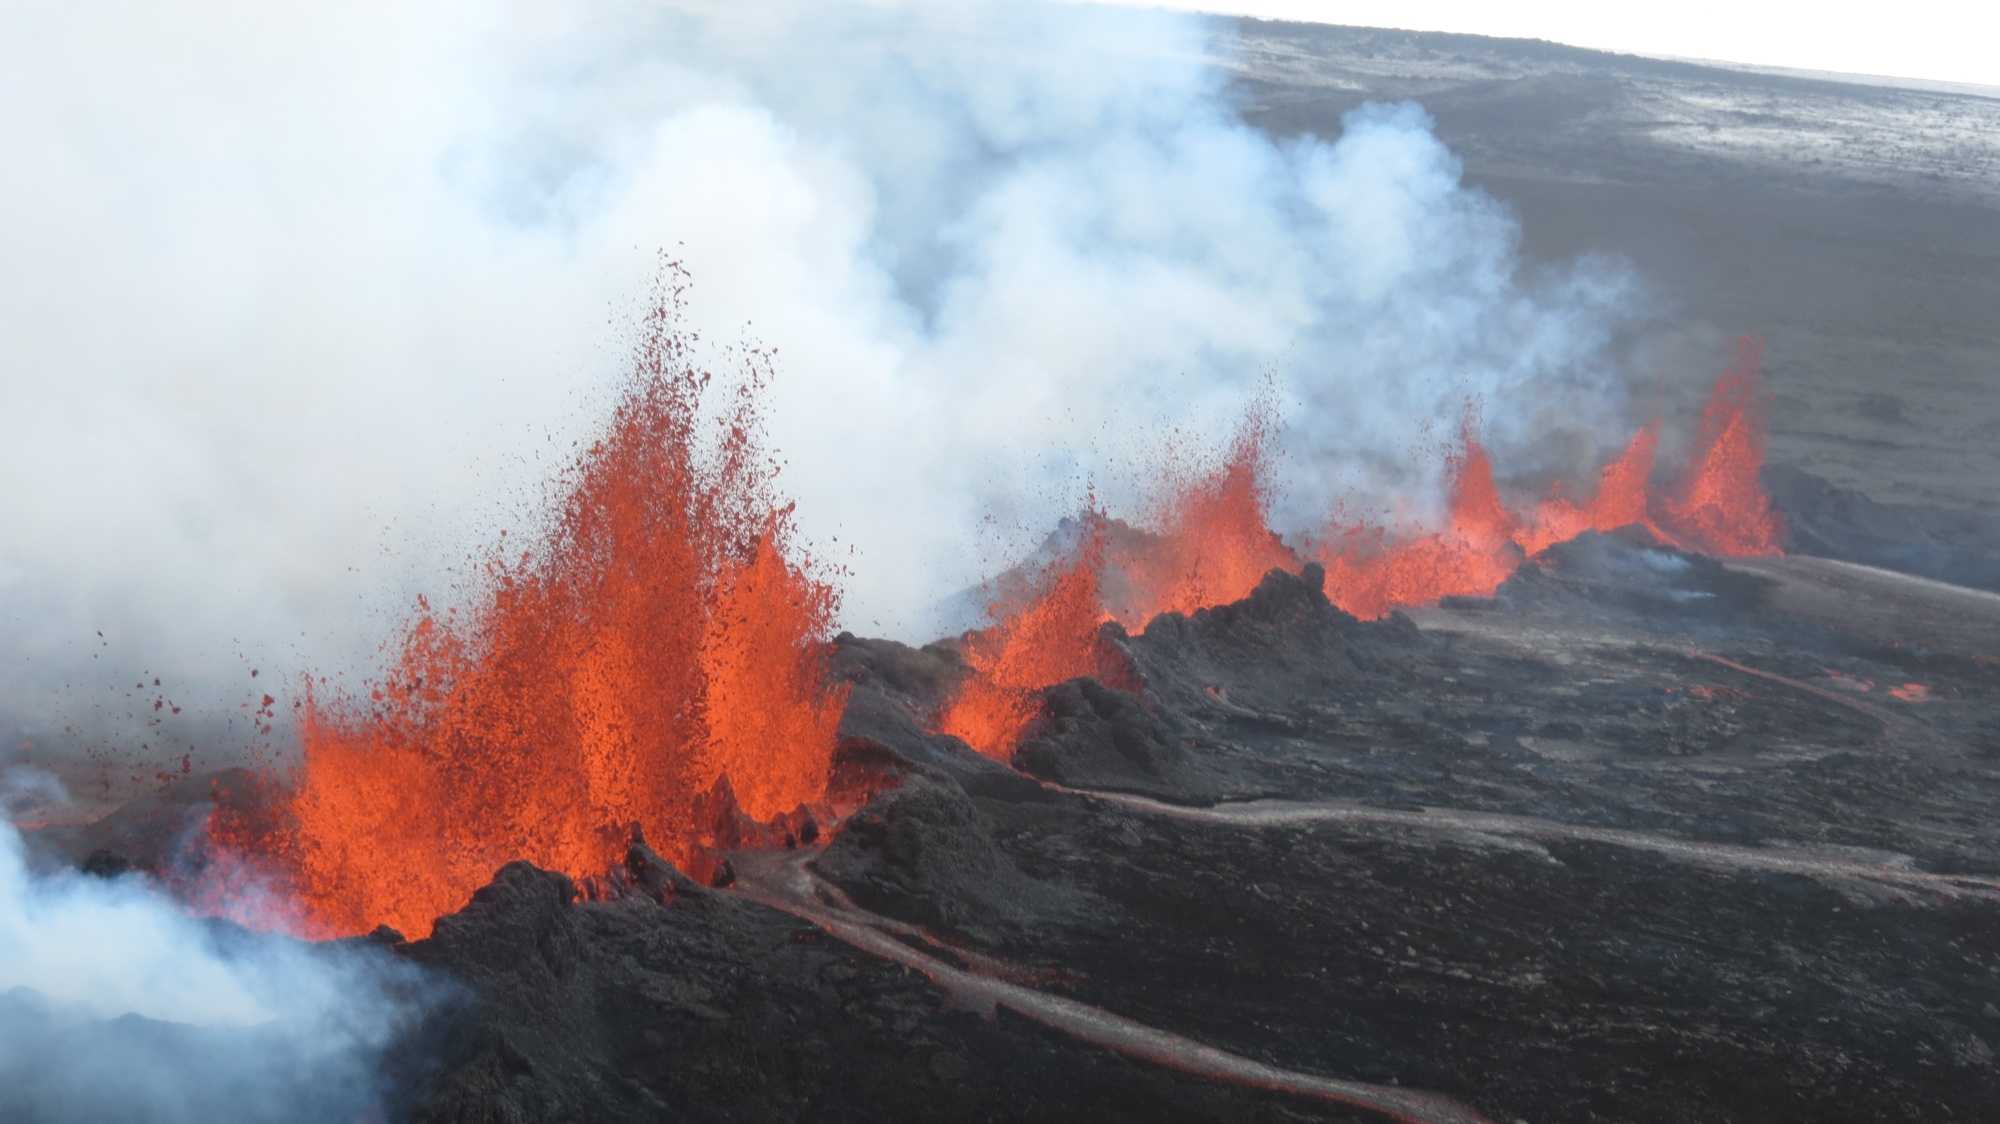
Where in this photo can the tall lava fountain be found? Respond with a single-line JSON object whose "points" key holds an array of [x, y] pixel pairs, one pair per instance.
{"points": [[663, 642]]}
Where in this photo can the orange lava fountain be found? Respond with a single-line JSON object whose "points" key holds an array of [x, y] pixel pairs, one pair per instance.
{"points": [[1721, 506], [661, 642], [1368, 576], [1621, 500], [1210, 540], [1047, 636]]}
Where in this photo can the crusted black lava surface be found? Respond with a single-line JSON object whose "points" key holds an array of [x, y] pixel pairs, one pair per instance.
{"points": [[695, 1004], [1644, 836]]}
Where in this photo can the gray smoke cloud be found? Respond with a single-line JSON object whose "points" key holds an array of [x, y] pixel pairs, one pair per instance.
{"points": [[115, 1005], [25, 790], [302, 303]]}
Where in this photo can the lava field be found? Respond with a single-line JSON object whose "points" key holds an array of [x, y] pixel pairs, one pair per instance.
{"points": [[1657, 788], [1614, 823]]}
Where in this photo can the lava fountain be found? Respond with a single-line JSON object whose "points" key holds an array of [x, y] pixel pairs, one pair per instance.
{"points": [[1721, 506], [1208, 542], [1368, 575], [1044, 634], [1718, 506], [663, 644], [1208, 539]]}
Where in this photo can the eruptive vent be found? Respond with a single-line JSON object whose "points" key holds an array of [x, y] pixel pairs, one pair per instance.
{"points": [[1718, 507], [1209, 540], [1368, 575], [1621, 500], [1721, 506], [1210, 543], [1045, 634], [663, 642]]}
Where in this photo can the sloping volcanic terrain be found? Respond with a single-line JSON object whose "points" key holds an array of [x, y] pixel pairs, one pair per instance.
{"points": [[1644, 835]]}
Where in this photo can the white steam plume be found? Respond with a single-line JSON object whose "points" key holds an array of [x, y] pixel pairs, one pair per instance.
{"points": [[301, 300], [114, 1005]]}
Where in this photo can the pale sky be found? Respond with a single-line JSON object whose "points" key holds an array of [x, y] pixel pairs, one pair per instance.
{"points": [[1939, 40]]}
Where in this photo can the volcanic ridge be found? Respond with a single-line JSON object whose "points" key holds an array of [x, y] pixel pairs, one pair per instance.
{"points": [[1570, 809]]}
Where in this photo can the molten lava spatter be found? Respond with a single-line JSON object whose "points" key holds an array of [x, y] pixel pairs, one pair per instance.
{"points": [[1621, 500], [1368, 575], [660, 641], [1718, 507], [1047, 634], [1721, 506], [1210, 542], [771, 717]]}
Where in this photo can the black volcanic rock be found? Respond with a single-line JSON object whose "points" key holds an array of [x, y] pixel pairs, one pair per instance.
{"points": [[714, 1008], [1224, 674], [1623, 710], [926, 852], [894, 693], [1961, 547], [1629, 571], [1094, 736], [1283, 642], [106, 863]]}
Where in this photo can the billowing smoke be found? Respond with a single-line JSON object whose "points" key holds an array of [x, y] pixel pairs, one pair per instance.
{"points": [[115, 1005], [26, 790], [302, 302]]}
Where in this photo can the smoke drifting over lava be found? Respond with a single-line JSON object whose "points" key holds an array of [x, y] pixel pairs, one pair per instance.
{"points": [[1000, 248], [1208, 540]]}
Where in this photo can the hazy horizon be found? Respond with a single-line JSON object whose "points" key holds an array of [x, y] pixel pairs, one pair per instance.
{"points": [[1760, 37]]}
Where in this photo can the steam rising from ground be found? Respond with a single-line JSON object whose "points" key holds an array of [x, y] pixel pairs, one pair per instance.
{"points": [[301, 303], [114, 1005]]}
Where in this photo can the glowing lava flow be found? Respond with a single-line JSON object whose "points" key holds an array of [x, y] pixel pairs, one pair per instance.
{"points": [[1050, 635], [661, 643]]}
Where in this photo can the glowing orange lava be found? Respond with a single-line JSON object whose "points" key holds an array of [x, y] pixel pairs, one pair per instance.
{"points": [[1720, 506], [1621, 500], [1047, 635], [660, 641], [1210, 541], [1368, 575]]}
